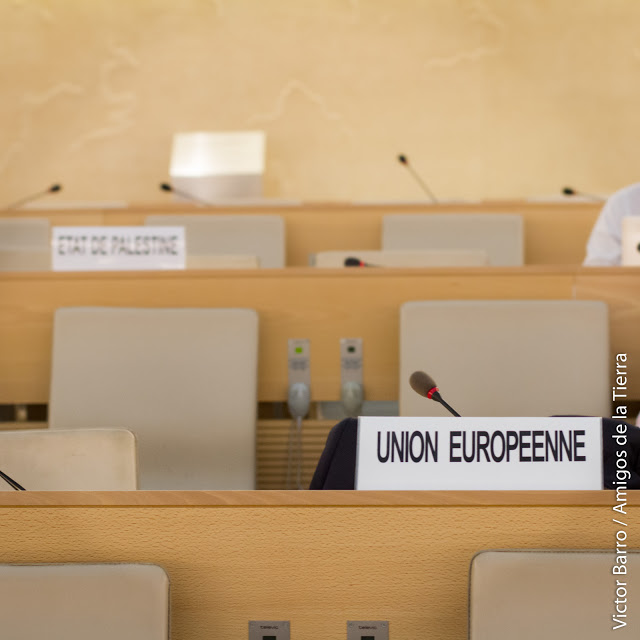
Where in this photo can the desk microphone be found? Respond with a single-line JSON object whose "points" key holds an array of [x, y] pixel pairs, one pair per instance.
{"points": [[402, 159], [52, 189], [569, 191], [165, 186], [425, 385], [11, 482], [356, 262]]}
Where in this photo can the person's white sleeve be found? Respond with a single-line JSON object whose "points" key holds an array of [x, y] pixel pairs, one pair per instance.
{"points": [[604, 245]]}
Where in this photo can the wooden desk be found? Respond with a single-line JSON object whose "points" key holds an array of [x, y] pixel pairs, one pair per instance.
{"points": [[555, 232], [323, 305], [317, 559]]}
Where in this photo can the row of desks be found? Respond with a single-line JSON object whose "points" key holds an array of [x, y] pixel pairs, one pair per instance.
{"points": [[323, 305], [555, 233], [317, 559]]}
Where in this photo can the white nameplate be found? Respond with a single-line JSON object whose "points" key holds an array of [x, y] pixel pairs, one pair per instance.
{"points": [[479, 453], [117, 248]]}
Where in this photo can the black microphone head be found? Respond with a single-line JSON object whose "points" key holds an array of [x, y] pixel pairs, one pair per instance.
{"points": [[55, 187], [165, 186], [568, 191], [352, 262], [422, 383], [403, 159]]}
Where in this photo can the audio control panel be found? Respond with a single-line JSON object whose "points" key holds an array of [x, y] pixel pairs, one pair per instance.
{"points": [[298, 357], [351, 360], [269, 630], [368, 630]]}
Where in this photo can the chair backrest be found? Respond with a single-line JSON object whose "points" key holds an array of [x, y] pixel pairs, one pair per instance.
{"points": [[80, 601], [259, 235], [184, 381], [500, 235], [218, 165], [507, 357], [406, 258], [25, 244], [222, 261], [75, 460], [553, 595]]}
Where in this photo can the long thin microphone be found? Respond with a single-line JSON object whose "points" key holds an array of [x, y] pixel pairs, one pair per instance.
{"points": [[570, 191], [402, 159], [425, 385], [11, 482], [165, 186], [52, 189], [356, 262]]}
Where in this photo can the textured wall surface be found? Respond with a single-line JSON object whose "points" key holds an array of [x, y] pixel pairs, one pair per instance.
{"points": [[490, 98]]}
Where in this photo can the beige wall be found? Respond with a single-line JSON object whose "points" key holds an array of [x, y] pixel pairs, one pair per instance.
{"points": [[501, 98]]}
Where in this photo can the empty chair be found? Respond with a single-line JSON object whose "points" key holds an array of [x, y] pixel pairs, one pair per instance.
{"points": [[553, 595], [500, 235], [218, 165], [255, 235], [222, 261], [507, 357], [184, 381], [405, 258], [80, 601], [25, 244], [76, 460]]}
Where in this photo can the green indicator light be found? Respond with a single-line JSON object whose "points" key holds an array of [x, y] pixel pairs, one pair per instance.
{"points": [[299, 349]]}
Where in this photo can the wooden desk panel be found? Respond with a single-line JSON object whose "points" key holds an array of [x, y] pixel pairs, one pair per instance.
{"points": [[317, 559], [555, 232], [323, 305]]}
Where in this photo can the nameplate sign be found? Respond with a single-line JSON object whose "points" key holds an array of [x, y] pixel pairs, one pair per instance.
{"points": [[479, 453], [117, 248]]}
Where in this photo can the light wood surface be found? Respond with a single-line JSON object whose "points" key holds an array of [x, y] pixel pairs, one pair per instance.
{"points": [[317, 559], [315, 499], [556, 232], [323, 305]]}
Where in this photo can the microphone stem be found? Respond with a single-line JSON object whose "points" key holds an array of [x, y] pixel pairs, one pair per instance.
{"points": [[11, 482], [423, 184], [19, 203], [448, 408]]}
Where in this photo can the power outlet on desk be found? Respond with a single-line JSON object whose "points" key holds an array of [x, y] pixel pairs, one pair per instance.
{"points": [[269, 630], [367, 630]]}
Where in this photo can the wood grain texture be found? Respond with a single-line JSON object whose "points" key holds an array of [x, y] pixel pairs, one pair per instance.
{"points": [[312, 499], [299, 559], [554, 232], [323, 305]]}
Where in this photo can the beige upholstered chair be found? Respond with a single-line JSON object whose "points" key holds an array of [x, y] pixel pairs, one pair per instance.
{"points": [[500, 235], [507, 357], [222, 261], [406, 258], [81, 601], [25, 244], [76, 460], [184, 381], [255, 235], [555, 595]]}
